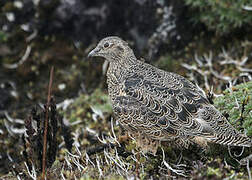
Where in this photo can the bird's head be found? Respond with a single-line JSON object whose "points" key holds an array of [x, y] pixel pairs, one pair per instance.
{"points": [[112, 49]]}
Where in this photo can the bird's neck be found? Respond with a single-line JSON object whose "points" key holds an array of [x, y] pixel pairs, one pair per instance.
{"points": [[124, 62], [120, 67], [117, 69], [116, 74]]}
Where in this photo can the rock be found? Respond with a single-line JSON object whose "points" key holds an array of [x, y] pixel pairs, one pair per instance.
{"points": [[153, 26]]}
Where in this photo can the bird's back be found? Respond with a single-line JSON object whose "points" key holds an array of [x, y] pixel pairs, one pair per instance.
{"points": [[166, 106]]}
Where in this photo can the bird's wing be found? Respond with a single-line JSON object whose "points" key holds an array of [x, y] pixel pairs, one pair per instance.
{"points": [[169, 97], [165, 105]]}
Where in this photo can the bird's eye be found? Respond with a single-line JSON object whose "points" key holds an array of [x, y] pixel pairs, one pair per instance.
{"points": [[106, 45]]}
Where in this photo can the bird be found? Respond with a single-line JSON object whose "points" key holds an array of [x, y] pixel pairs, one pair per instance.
{"points": [[156, 106]]}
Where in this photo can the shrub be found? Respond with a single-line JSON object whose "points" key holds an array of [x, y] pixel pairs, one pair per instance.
{"points": [[221, 16]]}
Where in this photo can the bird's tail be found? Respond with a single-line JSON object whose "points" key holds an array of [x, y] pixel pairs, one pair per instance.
{"points": [[231, 140], [220, 130]]}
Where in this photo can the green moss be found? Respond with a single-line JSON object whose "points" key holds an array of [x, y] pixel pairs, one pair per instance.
{"points": [[214, 171], [130, 146], [3, 36], [81, 108], [241, 94]]}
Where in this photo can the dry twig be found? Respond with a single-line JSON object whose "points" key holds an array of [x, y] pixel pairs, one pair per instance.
{"points": [[46, 123]]}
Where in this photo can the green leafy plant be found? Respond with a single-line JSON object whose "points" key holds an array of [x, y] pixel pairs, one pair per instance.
{"points": [[221, 16], [237, 102]]}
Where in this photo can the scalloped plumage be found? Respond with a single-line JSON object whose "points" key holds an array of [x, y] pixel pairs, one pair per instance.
{"points": [[155, 105]]}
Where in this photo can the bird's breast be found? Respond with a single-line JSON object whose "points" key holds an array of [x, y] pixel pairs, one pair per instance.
{"points": [[115, 81]]}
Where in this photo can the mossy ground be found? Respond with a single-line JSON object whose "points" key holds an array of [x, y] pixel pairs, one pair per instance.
{"points": [[214, 163], [90, 115]]}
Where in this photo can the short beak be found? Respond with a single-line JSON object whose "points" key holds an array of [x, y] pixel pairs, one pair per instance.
{"points": [[93, 52]]}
